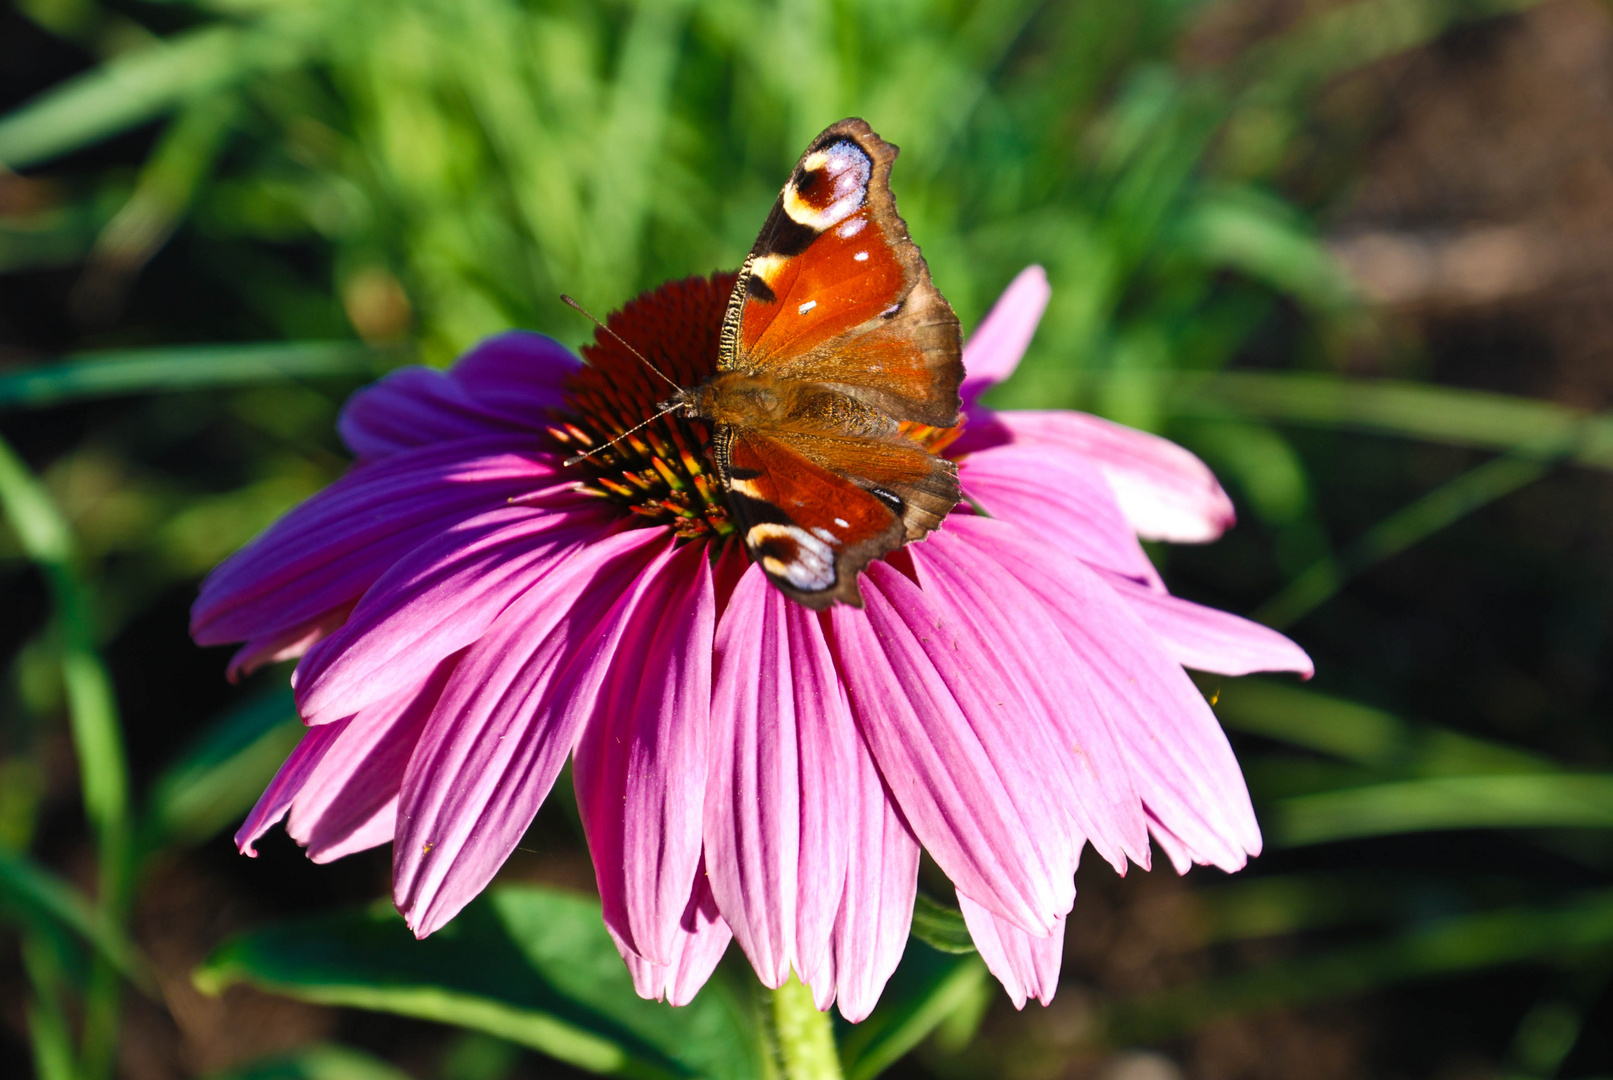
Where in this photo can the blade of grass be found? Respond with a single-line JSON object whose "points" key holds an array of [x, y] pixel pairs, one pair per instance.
{"points": [[927, 989], [218, 778], [146, 371], [167, 184], [1359, 733], [143, 84], [32, 886], [1349, 37], [1440, 508], [940, 926], [1560, 933], [47, 540], [1447, 802], [48, 1031], [1439, 414]]}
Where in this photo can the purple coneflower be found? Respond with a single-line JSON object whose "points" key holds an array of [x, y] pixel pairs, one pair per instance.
{"points": [[471, 613]]}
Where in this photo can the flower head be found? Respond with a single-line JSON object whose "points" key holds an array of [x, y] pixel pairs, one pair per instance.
{"points": [[471, 613]]}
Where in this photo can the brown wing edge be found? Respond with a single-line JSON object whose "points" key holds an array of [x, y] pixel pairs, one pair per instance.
{"points": [[924, 316], [923, 510]]}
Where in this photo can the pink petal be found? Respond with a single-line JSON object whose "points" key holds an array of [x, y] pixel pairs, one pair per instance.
{"points": [[1174, 847], [1055, 710], [776, 827], [287, 783], [361, 771], [1165, 491], [324, 554], [701, 939], [503, 727], [438, 599], [978, 790], [1028, 967], [508, 383], [995, 348], [1061, 498], [377, 829], [876, 910], [640, 764], [1180, 761], [1205, 639], [287, 644]]}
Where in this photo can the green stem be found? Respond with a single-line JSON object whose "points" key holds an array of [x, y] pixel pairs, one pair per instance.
{"points": [[47, 539], [804, 1036]]}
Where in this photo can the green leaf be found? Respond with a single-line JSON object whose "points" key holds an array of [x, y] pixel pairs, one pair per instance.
{"points": [[928, 989], [531, 965], [219, 777], [145, 371], [940, 926], [322, 1061], [1449, 802]]}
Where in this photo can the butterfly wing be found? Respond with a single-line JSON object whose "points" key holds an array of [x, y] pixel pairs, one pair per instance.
{"points": [[835, 291], [810, 525]]}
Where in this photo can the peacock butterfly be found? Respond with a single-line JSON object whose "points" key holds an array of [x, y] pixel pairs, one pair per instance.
{"points": [[834, 342]]}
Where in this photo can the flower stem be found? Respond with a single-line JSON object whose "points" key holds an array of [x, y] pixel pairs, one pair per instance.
{"points": [[804, 1036]]}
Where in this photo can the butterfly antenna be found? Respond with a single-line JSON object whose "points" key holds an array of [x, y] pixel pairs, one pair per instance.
{"points": [[575, 458], [657, 371]]}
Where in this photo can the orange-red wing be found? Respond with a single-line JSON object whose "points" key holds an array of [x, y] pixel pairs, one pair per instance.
{"points": [[811, 531], [920, 487], [835, 291]]}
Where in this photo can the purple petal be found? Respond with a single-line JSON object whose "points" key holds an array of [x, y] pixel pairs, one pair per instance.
{"points": [[701, 939], [373, 831], [360, 773], [502, 729], [876, 910], [1165, 491], [521, 374], [414, 407], [1060, 497], [978, 790], [1180, 761], [640, 764], [324, 554], [995, 348], [287, 783], [285, 644], [1055, 710], [1028, 967], [776, 827], [439, 598], [1205, 639], [509, 383]]}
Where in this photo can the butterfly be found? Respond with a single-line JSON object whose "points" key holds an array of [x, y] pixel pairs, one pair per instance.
{"points": [[834, 335]]}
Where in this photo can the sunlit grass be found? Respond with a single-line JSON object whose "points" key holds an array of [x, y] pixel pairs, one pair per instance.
{"points": [[448, 169]]}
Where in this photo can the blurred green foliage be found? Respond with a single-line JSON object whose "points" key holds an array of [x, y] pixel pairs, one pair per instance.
{"points": [[366, 182]]}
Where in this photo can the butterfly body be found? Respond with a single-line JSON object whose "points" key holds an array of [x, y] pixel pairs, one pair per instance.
{"points": [[834, 336]]}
